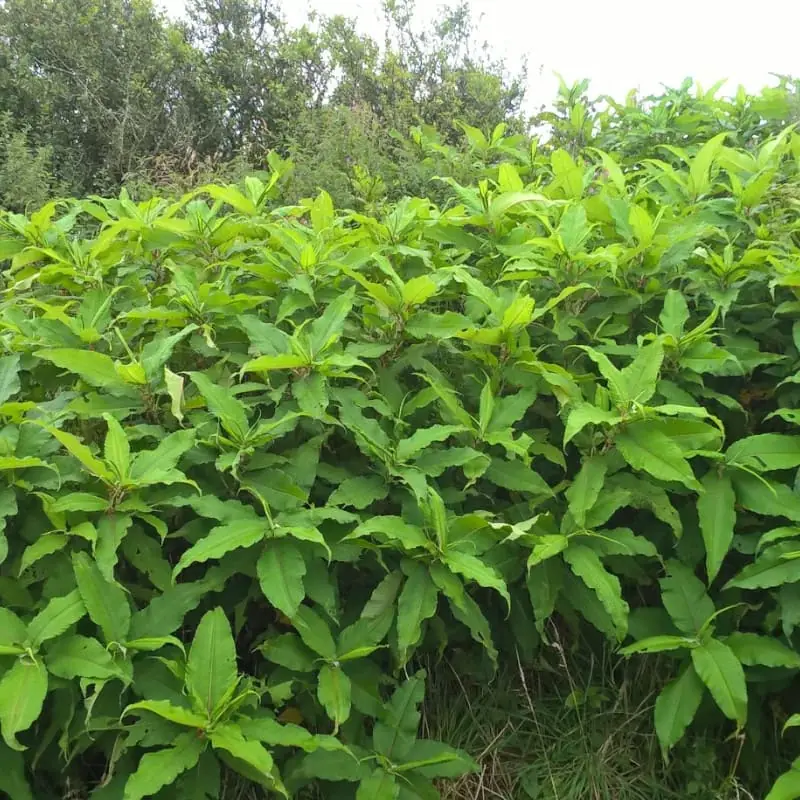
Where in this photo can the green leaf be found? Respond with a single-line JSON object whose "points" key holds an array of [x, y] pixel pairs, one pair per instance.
{"points": [[334, 693], [174, 384], [645, 447], [544, 582], [221, 540], [721, 672], [166, 710], [95, 368], [422, 438], [395, 733], [80, 657], [117, 450], [327, 328], [253, 754], [753, 649], [211, 666], [700, 167], [675, 314], [105, 602], [657, 644], [80, 451], [9, 377], [417, 602], [717, 513], [685, 598], [56, 617], [359, 492], [474, 569], [516, 477], [583, 414], [641, 376], [380, 785], [315, 632], [22, 692], [12, 632], [585, 489], [787, 787], [766, 451], [157, 466], [223, 404], [311, 393], [676, 706], [163, 767], [770, 569], [586, 564], [281, 568]]}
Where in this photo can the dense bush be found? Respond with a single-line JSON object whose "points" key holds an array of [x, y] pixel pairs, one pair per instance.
{"points": [[258, 459]]}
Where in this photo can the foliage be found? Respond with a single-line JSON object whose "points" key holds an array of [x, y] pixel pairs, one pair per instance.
{"points": [[259, 459], [110, 92]]}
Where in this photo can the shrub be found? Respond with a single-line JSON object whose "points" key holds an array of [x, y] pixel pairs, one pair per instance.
{"points": [[257, 461]]}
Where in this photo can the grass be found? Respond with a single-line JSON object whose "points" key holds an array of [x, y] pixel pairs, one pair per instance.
{"points": [[571, 727]]}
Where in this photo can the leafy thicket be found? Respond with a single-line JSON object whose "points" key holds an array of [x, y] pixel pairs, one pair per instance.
{"points": [[96, 93], [259, 458]]}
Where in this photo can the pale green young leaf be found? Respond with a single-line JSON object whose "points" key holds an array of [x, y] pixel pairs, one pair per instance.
{"points": [[22, 692], [510, 409], [281, 568], [418, 290], [163, 767], [211, 666], [393, 528], [106, 602], [717, 514], [676, 706], [486, 406], [722, 673], [157, 351]]}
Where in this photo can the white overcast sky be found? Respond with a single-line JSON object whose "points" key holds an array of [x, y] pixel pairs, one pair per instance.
{"points": [[618, 44]]}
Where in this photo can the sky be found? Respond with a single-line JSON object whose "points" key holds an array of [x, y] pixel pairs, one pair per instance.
{"points": [[618, 44]]}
